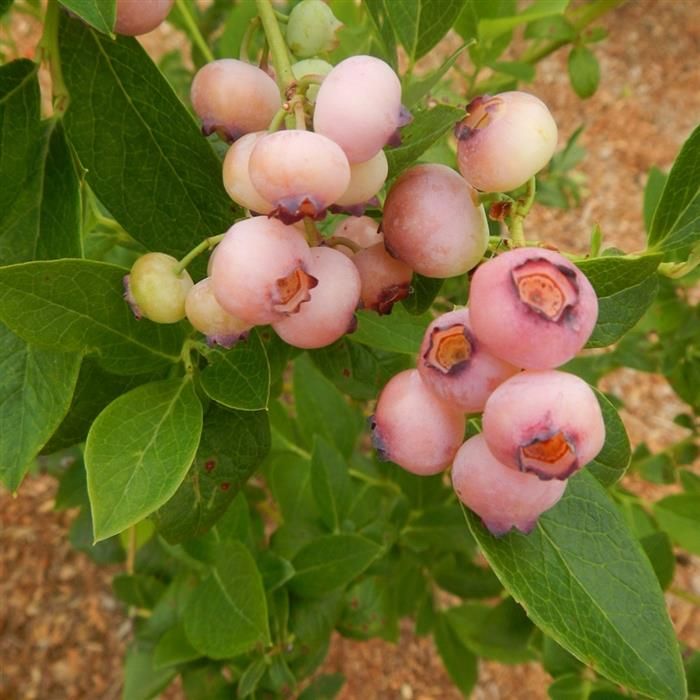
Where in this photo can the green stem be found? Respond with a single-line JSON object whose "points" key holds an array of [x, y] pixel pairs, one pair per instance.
{"points": [[278, 47], [48, 51], [206, 244], [279, 117], [253, 26], [341, 240], [193, 30], [313, 237], [381, 483], [131, 550], [521, 209]]}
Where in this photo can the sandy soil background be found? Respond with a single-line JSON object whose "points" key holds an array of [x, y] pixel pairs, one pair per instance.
{"points": [[63, 634]]}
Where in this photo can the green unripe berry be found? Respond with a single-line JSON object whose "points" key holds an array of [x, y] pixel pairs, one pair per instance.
{"points": [[155, 290], [312, 28], [311, 66]]}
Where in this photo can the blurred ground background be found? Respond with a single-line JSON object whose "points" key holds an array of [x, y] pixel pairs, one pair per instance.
{"points": [[62, 633]]}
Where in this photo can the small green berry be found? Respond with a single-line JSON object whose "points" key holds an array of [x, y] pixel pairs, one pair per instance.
{"points": [[312, 29]]}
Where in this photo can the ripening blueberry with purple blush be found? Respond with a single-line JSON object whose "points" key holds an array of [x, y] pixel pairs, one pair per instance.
{"points": [[503, 498], [532, 307], [548, 423], [457, 366], [385, 280]]}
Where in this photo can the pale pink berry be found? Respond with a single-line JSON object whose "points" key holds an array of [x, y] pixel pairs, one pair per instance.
{"points": [[206, 314], [414, 428], [155, 290], [501, 497], [385, 280], [457, 366], [359, 106], [237, 179], [548, 423], [366, 179], [260, 272], [532, 307], [434, 222], [135, 17], [300, 173], [363, 231], [234, 98], [504, 140], [329, 314]]}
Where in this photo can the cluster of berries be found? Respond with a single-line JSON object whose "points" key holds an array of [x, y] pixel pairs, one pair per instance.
{"points": [[531, 310]]}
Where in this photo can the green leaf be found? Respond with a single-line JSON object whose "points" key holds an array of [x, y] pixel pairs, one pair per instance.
{"points": [[39, 186], [370, 611], [657, 546], [656, 181], [584, 71], [613, 459], [233, 445], [289, 477], [459, 661], [415, 88], [490, 28], [423, 293], [94, 390], [5, 6], [679, 515], [138, 452], [227, 614], [251, 677], [173, 648], [569, 687], [401, 331], [524, 72], [98, 13], [141, 679], [502, 632], [584, 580], [139, 590], [383, 31], [206, 683], [35, 392], [331, 562], [465, 579], [322, 410], [78, 306], [556, 660], [145, 157], [626, 287], [420, 24], [675, 226], [240, 377], [427, 127], [330, 483]]}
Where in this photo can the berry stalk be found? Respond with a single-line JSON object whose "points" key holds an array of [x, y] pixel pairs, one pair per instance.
{"points": [[193, 30], [521, 209], [206, 244]]}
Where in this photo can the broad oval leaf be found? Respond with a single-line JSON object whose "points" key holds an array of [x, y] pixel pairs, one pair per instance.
{"points": [[138, 452], [331, 562], [78, 306], [98, 13], [330, 483], [227, 615], [145, 157], [676, 222], [584, 71], [240, 377], [679, 515], [585, 581], [401, 331], [613, 459], [233, 445], [626, 286], [35, 392]]}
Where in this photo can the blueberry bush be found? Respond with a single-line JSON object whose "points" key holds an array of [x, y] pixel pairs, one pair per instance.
{"points": [[275, 319]]}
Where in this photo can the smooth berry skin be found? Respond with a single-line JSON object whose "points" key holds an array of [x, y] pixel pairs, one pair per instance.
{"points": [[385, 280], [260, 271], [136, 17], [155, 290], [434, 223], [548, 423], [503, 498], [457, 366], [234, 98], [359, 106], [413, 428], [237, 178], [312, 29], [532, 307], [206, 314], [504, 140], [363, 231], [329, 314], [300, 173], [366, 179]]}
